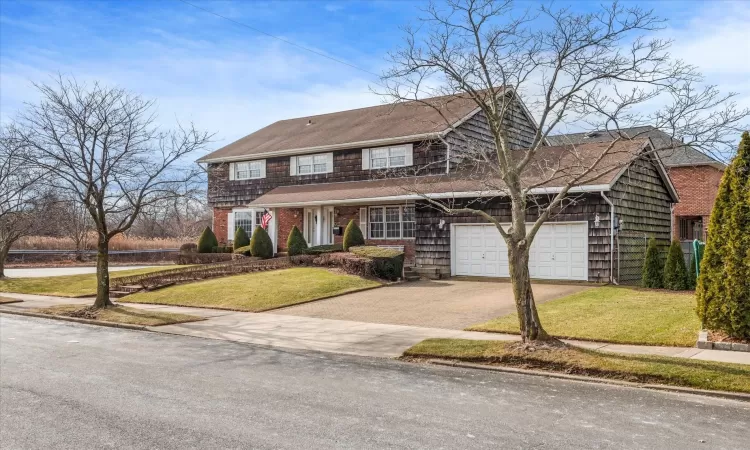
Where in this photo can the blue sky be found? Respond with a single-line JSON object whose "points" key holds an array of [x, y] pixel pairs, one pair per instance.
{"points": [[231, 80]]}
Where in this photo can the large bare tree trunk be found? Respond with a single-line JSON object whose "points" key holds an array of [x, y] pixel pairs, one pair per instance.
{"points": [[528, 318], [102, 274], [3, 255]]}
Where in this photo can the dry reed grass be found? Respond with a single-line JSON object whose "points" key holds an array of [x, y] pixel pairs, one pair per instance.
{"points": [[119, 242]]}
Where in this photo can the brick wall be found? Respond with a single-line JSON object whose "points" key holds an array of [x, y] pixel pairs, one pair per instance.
{"points": [[220, 224], [286, 218], [342, 216], [697, 187]]}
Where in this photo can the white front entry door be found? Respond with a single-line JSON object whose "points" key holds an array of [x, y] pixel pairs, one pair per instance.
{"points": [[318, 225], [559, 252]]}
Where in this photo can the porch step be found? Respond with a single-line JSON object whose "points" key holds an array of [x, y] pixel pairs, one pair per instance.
{"points": [[130, 288], [118, 294], [410, 274], [428, 272]]}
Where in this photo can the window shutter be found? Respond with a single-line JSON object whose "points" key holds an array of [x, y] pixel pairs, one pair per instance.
{"points": [[230, 226], [263, 168], [365, 159], [363, 221], [231, 171], [409, 160], [293, 165], [329, 162]]}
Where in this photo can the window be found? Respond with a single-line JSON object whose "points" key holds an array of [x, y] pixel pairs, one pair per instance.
{"points": [[249, 170], [391, 222], [690, 228], [385, 157], [243, 219], [311, 164]]}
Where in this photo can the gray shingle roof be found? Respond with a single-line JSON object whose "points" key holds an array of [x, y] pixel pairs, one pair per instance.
{"points": [[670, 157]]}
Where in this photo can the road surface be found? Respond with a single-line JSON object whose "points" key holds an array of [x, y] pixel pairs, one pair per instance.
{"points": [[75, 386], [35, 272]]}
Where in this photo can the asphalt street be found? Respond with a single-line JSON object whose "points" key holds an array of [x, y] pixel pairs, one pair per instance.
{"points": [[65, 385]]}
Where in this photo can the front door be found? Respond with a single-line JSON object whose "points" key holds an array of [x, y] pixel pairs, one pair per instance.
{"points": [[318, 225], [309, 225]]}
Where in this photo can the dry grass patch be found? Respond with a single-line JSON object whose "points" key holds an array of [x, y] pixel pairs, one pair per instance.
{"points": [[119, 314], [615, 314], [572, 360], [67, 285], [257, 291]]}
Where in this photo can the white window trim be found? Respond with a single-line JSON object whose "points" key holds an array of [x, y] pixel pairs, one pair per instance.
{"points": [[294, 164], [234, 169], [384, 222], [408, 157], [232, 227]]}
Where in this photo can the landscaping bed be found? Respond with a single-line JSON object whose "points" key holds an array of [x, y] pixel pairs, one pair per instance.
{"points": [[613, 314], [578, 361], [259, 291], [67, 285], [119, 314]]}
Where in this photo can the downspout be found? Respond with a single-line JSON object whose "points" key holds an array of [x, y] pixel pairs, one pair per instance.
{"points": [[671, 221], [611, 237]]}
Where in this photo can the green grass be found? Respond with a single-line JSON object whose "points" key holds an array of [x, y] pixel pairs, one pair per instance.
{"points": [[119, 314], [66, 285], [615, 314], [573, 360], [256, 291]]}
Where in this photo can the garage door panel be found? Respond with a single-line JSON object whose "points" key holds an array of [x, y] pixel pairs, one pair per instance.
{"points": [[558, 252]]}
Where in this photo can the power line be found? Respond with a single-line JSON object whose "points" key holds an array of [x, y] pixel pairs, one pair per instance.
{"points": [[281, 39]]}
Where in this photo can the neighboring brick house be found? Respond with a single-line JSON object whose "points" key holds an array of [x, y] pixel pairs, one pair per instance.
{"points": [[320, 172], [695, 176]]}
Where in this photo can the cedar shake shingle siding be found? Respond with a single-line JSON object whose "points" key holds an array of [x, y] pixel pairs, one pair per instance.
{"points": [[347, 166]]}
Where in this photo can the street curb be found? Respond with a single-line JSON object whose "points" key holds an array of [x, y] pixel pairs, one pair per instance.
{"points": [[74, 319], [657, 387]]}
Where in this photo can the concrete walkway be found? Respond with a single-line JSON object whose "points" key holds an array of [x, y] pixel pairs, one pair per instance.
{"points": [[344, 336]]}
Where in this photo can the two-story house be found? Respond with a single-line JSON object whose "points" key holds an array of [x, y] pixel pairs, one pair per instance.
{"points": [[320, 172]]}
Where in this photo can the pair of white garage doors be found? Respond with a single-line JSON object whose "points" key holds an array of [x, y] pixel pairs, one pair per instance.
{"points": [[559, 251]]}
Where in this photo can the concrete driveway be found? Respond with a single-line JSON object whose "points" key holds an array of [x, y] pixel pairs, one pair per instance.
{"points": [[436, 304]]}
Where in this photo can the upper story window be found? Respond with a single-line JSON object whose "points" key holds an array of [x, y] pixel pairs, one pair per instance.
{"points": [[311, 164], [387, 157], [247, 170]]}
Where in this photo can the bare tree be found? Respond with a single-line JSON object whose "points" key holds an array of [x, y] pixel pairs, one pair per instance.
{"points": [[585, 71], [21, 195], [101, 147]]}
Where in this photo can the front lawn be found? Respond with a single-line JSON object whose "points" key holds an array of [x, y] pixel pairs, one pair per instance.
{"points": [[578, 361], [258, 291], [119, 314], [615, 314], [67, 285]]}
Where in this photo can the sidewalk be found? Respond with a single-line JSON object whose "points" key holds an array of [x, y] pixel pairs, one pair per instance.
{"points": [[343, 336]]}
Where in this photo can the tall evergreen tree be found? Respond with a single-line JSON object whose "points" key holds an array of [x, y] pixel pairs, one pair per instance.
{"points": [[653, 271], [295, 243], [241, 238], [207, 241], [675, 272], [723, 291]]}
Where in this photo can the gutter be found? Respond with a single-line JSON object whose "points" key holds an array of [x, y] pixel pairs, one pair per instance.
{"points": [[445, 195], [611, 237]]}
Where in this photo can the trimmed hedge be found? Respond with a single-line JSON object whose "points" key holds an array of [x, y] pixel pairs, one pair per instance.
{"points": [[321, 249], [189, 247], [295, 243], [348, 262], [222, 249], [388, 263], [240, 238], [352, 236], [207, 241], [260, 244], [653, 272]]}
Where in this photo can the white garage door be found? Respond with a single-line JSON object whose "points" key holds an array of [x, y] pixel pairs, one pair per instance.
{"points": [[559, 252]]}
